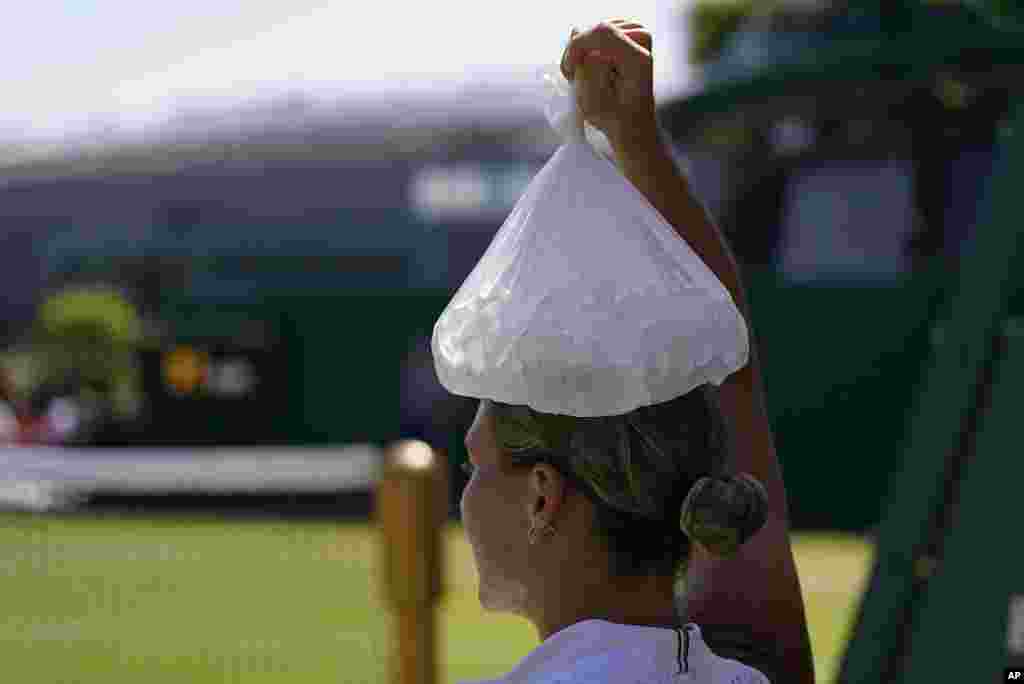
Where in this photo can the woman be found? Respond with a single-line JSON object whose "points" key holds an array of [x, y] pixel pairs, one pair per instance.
{"points": [[587, 526]]}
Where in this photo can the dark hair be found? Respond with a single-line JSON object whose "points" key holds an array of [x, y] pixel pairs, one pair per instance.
{"points": [[639, 469]]}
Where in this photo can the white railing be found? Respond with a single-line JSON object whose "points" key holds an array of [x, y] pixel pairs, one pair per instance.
{"points": [[44, 478]]}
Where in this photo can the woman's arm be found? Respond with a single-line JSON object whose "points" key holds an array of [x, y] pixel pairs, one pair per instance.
{"points": [[758, 588]]}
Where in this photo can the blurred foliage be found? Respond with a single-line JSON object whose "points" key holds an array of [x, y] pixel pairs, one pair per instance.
{"points": [[91, 313], [712, 22], [86, 337], [1004, 13]]}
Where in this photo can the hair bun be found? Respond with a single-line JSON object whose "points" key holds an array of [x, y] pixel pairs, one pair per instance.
{"points": [[723, 512]]}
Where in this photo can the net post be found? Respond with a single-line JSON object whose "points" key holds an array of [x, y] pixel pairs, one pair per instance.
{"points": [[411, 509]]}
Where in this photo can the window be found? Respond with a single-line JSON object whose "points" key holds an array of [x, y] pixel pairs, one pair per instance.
{"points": [[847, 220]]}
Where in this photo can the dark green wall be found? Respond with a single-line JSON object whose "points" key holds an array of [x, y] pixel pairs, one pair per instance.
{"points": [[841, 364], [841, 368]]}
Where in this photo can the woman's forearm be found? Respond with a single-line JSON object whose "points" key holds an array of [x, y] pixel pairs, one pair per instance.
{"points": [[721, 592]]}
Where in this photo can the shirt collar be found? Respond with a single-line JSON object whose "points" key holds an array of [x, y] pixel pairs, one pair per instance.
{"points": [[594, 650]]}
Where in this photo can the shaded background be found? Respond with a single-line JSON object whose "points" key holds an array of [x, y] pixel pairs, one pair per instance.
{"points": [[305, 238], [227, 233]]}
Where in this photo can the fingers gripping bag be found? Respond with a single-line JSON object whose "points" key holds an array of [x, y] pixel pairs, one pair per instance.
{"points": [[586, 302]]}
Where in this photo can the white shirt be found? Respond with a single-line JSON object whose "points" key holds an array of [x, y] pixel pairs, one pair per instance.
{"points": [[602, 652]]}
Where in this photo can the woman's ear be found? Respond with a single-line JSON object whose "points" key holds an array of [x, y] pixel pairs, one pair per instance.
{"points": [[547, 488]]}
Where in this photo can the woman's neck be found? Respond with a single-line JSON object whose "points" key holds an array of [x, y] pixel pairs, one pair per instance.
{"points": [[646, 602]]}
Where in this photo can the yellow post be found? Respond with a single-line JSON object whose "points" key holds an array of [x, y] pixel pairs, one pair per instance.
{"points": [[411, 509]]}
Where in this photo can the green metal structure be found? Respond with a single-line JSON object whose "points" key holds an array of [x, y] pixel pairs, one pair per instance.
{"points": [[937, 608], [944, 600]]}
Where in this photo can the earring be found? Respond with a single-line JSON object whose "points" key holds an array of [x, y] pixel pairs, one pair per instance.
{"points": [[546, 530]]}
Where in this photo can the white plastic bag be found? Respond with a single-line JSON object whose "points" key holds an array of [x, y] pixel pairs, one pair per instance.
{"points": [[586, 303]]}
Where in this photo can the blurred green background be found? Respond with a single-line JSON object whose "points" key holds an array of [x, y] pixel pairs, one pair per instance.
{"points": [[200, 599], [300, 260]]}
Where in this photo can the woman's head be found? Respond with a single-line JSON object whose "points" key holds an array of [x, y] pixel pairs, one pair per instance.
{"points": [[621, 482]]}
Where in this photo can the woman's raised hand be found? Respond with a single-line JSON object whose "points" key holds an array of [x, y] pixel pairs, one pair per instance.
{"points": [[613, 70]]}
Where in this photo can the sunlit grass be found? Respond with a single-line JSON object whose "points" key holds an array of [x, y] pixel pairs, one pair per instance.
{"points": [[834, 571], [111, 600]]}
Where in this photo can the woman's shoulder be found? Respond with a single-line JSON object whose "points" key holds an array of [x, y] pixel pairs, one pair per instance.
{"points": [[600, 652], [737, 642]]}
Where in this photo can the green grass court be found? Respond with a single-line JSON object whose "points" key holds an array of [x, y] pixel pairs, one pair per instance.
{"points": [[108, 600]]}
